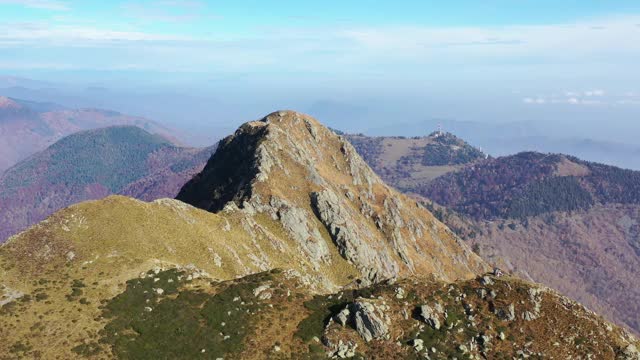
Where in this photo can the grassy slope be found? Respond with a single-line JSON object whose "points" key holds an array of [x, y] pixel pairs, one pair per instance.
{"points": [[274, 315], [90, 165], [105, 243]]}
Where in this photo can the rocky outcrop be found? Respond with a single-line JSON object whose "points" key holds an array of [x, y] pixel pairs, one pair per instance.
{"points": [[313, 183], [344, 350], [507, 313], [355, 242], [630, 352], [228, 173], [535, 299], [369, 320], [431, 315], [343, 316], [454, 320]]}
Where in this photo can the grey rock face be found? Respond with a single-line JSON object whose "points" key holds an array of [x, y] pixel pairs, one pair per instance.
{"points": [[431, 315], [354, 241], [508, 314], [295, 221], [535, 296], [631, 353], [344, 350], [369, 320], [342, 317], [359, 170]]}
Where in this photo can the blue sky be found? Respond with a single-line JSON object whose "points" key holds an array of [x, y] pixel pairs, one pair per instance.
{"points": [[529, 53]]}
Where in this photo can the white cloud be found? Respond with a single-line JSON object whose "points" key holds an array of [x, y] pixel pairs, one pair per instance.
{"points": [[628, 102], [537, 101], [597, 97], [594, 93], [569, 41], [39, 4], [391, 52], [73, 35]]}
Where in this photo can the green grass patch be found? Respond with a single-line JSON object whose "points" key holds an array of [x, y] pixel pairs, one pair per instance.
{"points": [[87, 350], [180, 324]]}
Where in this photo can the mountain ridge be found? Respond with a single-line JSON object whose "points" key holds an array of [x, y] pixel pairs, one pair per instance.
{"points": [[525, 176], [28, 127], [368, 272], [530, 210], [408, 162], [323, 175], [92, 164]]}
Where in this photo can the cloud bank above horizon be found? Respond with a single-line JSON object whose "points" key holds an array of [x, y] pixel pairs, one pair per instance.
{"points": [[536, 50]]}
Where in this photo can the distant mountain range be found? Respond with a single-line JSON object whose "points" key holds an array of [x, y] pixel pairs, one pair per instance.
{"points": [[551, 218], [27, 127], [407, 163], [587, 133], [501, 139], [555, 219], [530, 184], [91, 165]]}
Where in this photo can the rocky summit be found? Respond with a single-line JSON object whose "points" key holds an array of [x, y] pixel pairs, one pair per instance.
{"points": [[289, 168], [286, 246]]}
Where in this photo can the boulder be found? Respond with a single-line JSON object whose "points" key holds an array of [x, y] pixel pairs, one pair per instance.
{"points": [[369, 320], [342, 317], [345, 350], [418, 345], [631, 353], [431, 315], [508, 313]]}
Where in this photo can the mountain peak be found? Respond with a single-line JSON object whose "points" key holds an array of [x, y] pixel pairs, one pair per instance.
{"points": [[284, 193], [283, 143], [8, 103], [291, 168]]}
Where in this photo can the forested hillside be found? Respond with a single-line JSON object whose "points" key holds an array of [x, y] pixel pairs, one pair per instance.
{"points": [[27, 127], [529, 184], [91, 165], [554, 219]]}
